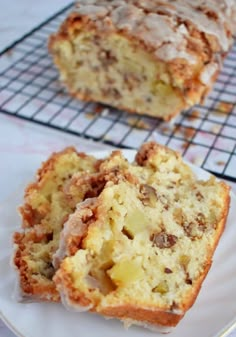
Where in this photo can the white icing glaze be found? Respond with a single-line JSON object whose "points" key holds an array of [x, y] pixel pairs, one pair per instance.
{"points": [[93, 11], [155, 328], [74, 226], [188, 10], [71, 306], [161, 24], [208, 72], [167, 51]]}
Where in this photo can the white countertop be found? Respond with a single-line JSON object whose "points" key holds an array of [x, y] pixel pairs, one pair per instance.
{"points": [[20, 139]]}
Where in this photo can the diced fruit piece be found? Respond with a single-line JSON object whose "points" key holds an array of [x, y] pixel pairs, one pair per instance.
{"points": [[135, 222], [126, 272], [162, 288]]}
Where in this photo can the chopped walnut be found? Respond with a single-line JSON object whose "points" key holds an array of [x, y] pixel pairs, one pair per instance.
{"points": [[201, 221], [196, 228], [164, 240], [199, 196], [189, 281], [107, 58], [148, 195], [113, 92]]}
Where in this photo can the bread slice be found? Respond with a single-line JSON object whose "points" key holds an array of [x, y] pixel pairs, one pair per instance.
{"points": [[150, 57], [44, 212], [66, 178], [140, 250]]}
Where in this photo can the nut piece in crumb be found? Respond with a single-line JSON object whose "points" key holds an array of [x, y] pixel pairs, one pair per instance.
{"points": [[164, 240], [148, 195]]}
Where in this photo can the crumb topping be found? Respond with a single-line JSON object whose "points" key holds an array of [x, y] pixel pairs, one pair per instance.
{"points": [[167, 26]]}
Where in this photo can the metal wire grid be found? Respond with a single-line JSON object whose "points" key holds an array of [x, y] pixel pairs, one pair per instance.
{"points": [[29, 89]]}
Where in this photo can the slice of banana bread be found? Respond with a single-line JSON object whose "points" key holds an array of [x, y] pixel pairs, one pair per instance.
{"points": [[43, 214], [148, 57], [140, 250]]}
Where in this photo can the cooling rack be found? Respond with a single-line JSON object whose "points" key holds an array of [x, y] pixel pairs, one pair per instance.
{"points": [[29, 89]]}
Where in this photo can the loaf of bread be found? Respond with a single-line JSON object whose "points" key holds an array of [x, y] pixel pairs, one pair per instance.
{"points": [[44, 212], [148, 57], [140, 249]]}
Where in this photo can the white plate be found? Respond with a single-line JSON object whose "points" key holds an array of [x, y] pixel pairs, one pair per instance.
{"points": [[213, 314]]}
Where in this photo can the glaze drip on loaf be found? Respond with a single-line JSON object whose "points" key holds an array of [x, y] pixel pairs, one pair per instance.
{"points": [[148, 57], [157, 23]]}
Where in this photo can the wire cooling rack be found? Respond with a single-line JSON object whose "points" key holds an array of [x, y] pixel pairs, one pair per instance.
{"points": [[29, 89]]}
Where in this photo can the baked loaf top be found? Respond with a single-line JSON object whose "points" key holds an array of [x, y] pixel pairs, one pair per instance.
{"points": [[171, 28], [140, 250]]}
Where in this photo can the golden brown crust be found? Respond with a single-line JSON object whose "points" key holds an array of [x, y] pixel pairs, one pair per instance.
{"points": [[61, 280], [30, 216], [220, 228], [30, 286], [150, 316], [148, 150]]}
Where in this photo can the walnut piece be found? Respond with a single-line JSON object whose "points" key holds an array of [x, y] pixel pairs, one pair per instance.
{"points": [[164, 240], [148, 195]]}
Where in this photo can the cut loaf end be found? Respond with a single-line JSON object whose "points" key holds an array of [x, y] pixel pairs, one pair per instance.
{"points": [[154, 57]]}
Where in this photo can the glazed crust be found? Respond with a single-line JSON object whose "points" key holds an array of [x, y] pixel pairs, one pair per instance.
{"points": [[191, 61], [153, 317]]}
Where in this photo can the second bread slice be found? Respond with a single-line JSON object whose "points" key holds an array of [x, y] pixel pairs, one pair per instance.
{"points": [[141, 249]]}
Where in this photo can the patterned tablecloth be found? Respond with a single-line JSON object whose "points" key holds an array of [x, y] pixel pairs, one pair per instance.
{"points": [[19, 139]]}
